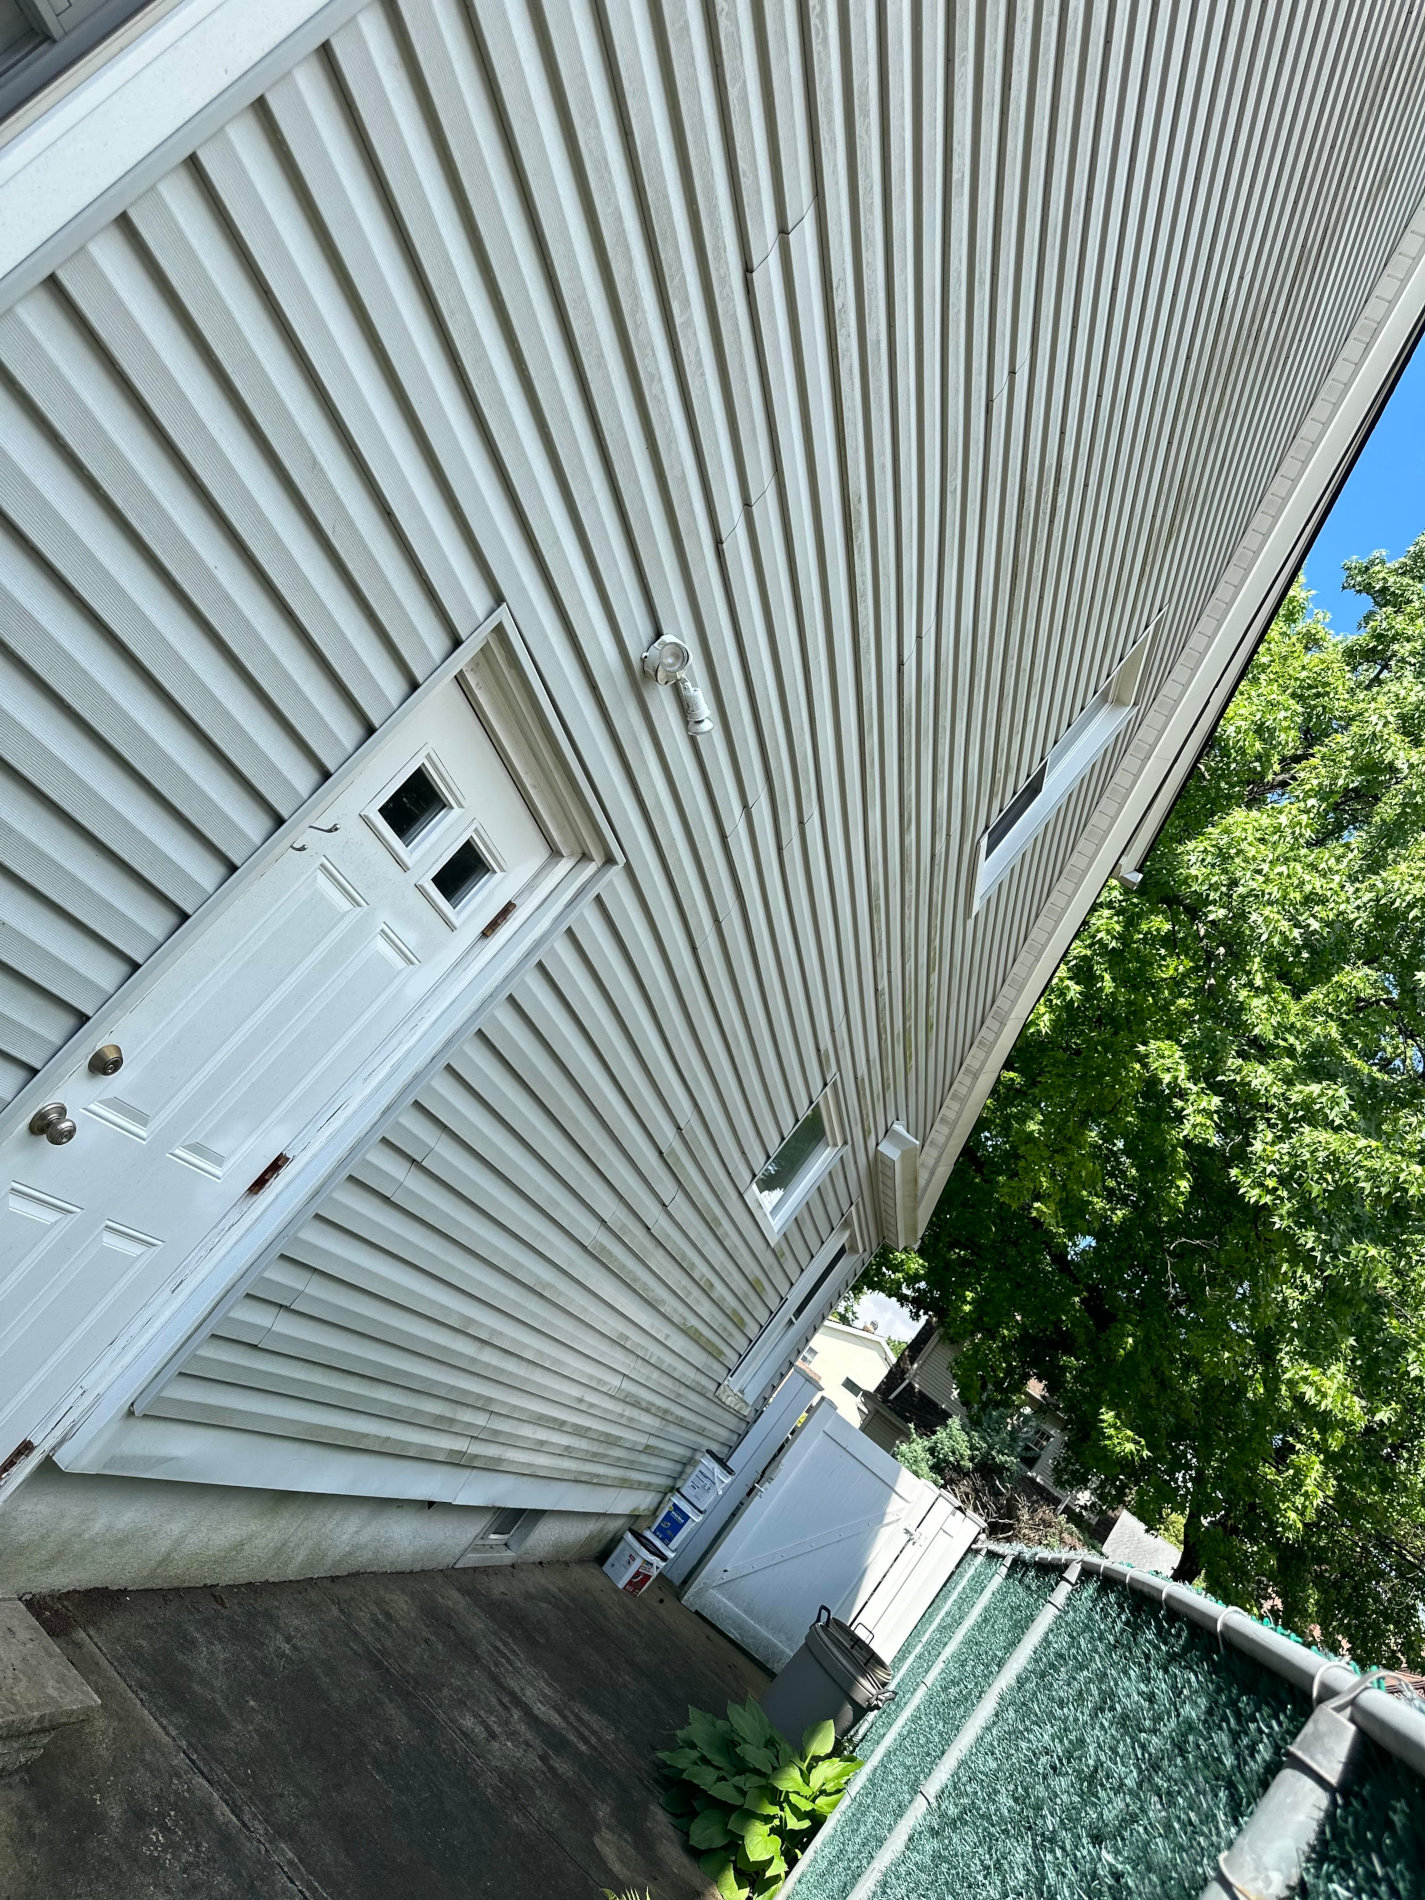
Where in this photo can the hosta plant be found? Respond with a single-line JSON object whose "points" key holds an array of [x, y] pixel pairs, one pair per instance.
{"points": [[748, 1801]]}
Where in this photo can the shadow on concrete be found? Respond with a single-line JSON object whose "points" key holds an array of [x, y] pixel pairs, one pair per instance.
{"points": [[443, 1736]]}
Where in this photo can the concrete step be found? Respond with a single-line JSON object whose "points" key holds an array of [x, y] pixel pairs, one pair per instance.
{"points": [[39, 1691]]}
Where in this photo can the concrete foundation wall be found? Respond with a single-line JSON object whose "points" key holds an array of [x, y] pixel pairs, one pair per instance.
{"points": [[72, 1531]]}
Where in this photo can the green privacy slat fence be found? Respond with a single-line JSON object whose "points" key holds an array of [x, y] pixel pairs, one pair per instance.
{"points": [[1375, 1844], [1122, 1763]]}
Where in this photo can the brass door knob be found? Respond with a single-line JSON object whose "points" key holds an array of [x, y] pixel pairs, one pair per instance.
{"points": [[107, 1061], [52, 1121]]}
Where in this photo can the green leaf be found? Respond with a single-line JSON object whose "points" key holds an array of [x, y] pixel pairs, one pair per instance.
{"points": [[760, 1801], [702, 1774], [714, 1739], [723, 1874], [790, 1779], [758, 1842], [677, 1800], [819, 1739], [764, 1760], [680, 1757], [749, 1723], [832, 1773], [827, 1802], [709, 1829]]}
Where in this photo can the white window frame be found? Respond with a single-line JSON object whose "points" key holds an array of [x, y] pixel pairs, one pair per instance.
{"points": [[813, 1294], [439, 827], [1091, 734], [775, 1221], [477, 835]]}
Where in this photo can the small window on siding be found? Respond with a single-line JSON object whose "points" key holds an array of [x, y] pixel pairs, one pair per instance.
{"points": [[803, 1159], [1051, 781]]}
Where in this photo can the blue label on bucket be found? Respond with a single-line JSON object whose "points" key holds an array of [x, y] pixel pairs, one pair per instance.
{"points": [[671, 1523]]}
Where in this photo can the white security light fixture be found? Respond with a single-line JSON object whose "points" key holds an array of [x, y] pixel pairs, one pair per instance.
{"points": [[667, 661]]}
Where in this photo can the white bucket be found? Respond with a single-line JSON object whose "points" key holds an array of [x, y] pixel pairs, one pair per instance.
{"points": [[705, 1480], [676, 1520], [633, 1563]]}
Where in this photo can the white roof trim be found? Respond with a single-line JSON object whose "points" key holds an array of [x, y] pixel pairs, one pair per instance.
{"points": [[139, 113]]}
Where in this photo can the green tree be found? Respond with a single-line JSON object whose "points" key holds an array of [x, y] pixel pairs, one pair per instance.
{"points": [[1195, 1200]]}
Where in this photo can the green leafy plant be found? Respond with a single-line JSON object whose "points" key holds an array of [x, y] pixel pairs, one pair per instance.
{"points": [[989, 1441], [747, 1800]]}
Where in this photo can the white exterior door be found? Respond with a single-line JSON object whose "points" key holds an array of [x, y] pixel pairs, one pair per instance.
{"points": [[837, 1522], [255, 1032]]}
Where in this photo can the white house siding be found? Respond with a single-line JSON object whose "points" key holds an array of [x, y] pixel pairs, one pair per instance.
{"points": [[909, 362]]}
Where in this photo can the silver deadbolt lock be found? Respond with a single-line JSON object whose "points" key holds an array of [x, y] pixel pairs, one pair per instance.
{"points": [[52, 1121], [107, 1061]]}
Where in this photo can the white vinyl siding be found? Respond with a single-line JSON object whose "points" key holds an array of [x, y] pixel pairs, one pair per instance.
{"points": [[902, 399]]}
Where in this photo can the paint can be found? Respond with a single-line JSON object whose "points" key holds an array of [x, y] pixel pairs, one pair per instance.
{"points": [[633, 1563], [705, 1480], [676, 1519]]}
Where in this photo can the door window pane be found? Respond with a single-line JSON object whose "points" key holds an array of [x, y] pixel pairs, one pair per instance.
{"points": [[461, 874], [413, 807]]}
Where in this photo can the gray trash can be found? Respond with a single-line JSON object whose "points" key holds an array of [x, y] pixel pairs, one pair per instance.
{"points": [[835, 1676]]}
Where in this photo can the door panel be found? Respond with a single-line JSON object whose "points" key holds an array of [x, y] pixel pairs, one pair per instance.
{"points": [[254, 1035]]}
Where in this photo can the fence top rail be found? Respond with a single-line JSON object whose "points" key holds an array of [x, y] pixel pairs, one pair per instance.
{"points": [[1388, 1719]]}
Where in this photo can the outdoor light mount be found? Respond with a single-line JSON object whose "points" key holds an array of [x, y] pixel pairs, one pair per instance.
{"points": [[667, 661]]}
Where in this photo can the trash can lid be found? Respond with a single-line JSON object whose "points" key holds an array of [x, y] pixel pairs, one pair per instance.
{"points": [[849, 1660]]}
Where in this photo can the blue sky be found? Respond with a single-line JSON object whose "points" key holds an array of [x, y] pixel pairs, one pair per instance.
{"points": [[1383, 502]]}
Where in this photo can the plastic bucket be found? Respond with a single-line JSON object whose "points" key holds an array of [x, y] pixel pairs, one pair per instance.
{"points": [[676, 1519], [705, 1480], [633, 1563], [834, 1677]]}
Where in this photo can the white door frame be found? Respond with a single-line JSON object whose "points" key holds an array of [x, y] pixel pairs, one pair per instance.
{"points": [[500, 679]]}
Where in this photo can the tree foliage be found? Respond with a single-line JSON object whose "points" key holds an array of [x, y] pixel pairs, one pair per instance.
{"points": [[1195, 1200]]}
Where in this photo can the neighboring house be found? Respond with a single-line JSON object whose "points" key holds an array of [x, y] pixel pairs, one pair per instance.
{"points": [[848, 1362], [919, 1394], [587, 598]]}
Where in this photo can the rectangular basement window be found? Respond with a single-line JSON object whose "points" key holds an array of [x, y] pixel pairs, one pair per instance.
{"points": [[804, 1159], [507, 1529], [1051, 781]]}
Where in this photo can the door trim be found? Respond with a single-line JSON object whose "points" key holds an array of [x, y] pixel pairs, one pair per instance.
{"points": [[499, 678]]}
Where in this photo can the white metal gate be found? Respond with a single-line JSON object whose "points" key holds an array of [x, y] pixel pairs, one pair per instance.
{"points": [[837, 1521]]}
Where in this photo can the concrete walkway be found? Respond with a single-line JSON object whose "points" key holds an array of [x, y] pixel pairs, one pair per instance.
{"points": [[442, 1736]]}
